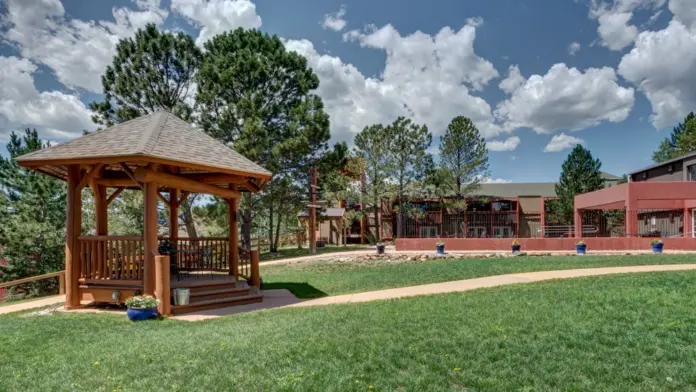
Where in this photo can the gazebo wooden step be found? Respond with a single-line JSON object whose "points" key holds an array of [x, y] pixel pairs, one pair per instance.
{"points": [[216, 303], [218, 293]]}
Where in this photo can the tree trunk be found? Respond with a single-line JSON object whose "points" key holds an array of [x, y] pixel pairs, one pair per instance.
{"points": [[377, 219], [277, 233], [246, 222], [270, 229], [187, 217]]}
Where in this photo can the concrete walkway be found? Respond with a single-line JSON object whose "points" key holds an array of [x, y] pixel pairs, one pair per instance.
{"points": [[39, 303], [284, 299]]}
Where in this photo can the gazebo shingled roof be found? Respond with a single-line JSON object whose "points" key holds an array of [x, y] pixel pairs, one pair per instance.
{"points": [[160, 137]]}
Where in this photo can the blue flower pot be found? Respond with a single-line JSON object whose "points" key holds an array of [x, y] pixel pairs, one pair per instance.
{"points": [[380, 249], [141, 314], [516, 248], [657, 248], [581, 249], [440, 249]]}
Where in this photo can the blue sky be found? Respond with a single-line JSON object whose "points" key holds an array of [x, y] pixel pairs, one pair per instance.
{"points": [[536, 76]]}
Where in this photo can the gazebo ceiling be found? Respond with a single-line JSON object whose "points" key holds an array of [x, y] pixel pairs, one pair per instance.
{"points": [[159, 138]]}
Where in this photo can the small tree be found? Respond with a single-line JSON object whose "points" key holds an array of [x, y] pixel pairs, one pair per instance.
{"points": [[372, 152], [463, 157], [580, 173], [682, 140], [32, 212]]}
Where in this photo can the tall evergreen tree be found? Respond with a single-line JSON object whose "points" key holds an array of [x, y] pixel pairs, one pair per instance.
{"points": [[580, 173], [682, 140], [258, 97], [463, 157], [153, 70], [372, 152], [32, 212]]}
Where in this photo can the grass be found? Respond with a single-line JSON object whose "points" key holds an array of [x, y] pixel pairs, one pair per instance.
{"points": [[616, 333], [319, 279], [289, 253]]}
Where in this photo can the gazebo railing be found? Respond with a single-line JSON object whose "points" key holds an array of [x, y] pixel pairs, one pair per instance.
{"points": [[111, 258], [244, 266], [200, 254]]}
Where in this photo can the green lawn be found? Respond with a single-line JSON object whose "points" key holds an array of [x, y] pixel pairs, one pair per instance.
{"points": [[618, 333], [318, 279], [289, 253]]}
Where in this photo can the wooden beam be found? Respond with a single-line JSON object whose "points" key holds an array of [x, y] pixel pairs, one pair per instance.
{"points": [[150, 237], [100, 208], [117, 182], [182, 198], [73, 227], [172, 181], [216, 178], [130, 174], [89, 176], [114, 194], [252, 187], [233, 257], [164, 199]]}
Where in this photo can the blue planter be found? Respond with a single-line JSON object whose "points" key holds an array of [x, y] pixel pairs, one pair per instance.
{"points": [[141, 314], [516, 248], [581, 249], [380, 249], [657, 248], [440, 249]]}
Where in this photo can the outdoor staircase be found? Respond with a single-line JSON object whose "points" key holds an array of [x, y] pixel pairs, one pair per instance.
{"points": [[213, 295]]}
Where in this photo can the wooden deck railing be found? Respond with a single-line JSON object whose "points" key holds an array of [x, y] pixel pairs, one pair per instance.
{"points": [[111, 258], [60, 275], [244, 268], [201, 254], [120, 258]]}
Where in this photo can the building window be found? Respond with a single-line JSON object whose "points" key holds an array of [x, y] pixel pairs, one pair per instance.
{"points": [[692, 173]]}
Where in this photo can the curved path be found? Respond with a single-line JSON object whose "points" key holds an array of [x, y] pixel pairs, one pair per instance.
{"points": [[285, 299], [488, 281]]}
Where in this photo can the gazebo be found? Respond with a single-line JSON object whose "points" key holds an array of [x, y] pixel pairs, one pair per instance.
{"points": [[640, 199], [167, 159]]}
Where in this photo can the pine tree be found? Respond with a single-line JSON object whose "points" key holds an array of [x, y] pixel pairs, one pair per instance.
{"points": [[259, 98], [681, 141], [580, 173], [463, 156], [153, 70], [372, 152], [32, 211]]}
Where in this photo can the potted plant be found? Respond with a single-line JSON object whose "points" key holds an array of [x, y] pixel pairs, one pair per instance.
{"points": [[580, 247], [141, 307], [440, 247], [657, 245], [380, 248], [516, 246]]}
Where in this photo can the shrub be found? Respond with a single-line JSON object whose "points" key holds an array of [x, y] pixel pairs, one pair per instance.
{"points": [[142, 302]]}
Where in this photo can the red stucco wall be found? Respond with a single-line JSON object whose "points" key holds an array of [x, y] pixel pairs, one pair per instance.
{"points": [[542, 244]]}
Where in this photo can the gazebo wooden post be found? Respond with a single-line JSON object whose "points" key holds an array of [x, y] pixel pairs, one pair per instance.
{"points": [[232, 207], [73, 224], [150, 237], [100, 208]]}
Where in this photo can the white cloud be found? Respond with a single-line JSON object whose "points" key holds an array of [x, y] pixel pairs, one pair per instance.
{"points": [[574, 48], [217, 16], [615, 31], [427, 78], [662, 65], [564, 98], [514, 80], [77, 51], [562, 142], [684, 11], [508, 144], [55, 114], [335, 21], [489, 180]]}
